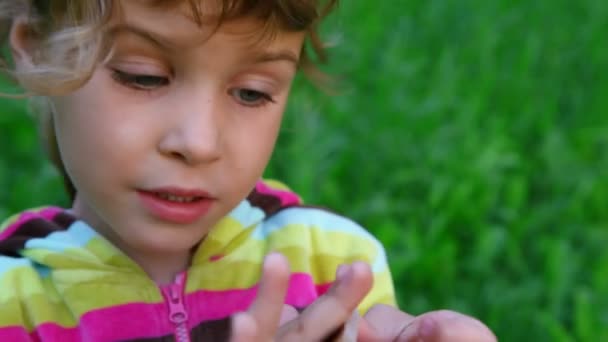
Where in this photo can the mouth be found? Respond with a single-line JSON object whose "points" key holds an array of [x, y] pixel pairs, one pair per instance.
{"points": [[176, 205]]}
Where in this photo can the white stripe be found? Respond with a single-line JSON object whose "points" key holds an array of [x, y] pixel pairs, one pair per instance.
{"points": [[77, 236]]}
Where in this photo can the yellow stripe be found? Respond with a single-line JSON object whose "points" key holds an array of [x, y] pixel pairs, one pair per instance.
{"points": [[22, 288], [93, 296], [39, 310], [18, 282], [382, 292], [227, 236]]}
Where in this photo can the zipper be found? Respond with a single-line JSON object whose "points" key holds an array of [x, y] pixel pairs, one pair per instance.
{"points": [[177, 310]]}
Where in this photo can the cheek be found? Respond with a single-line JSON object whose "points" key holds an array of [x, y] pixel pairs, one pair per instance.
{"points": [[256, 140], [94, 139], [81, 144]]}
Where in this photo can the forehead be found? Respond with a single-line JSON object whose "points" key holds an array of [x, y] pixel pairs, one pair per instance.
{"points": [[289, 15], [198, 11], [189, 22]]}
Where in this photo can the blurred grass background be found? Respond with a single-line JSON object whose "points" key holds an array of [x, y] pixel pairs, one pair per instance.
{"points": [[470, 136]]}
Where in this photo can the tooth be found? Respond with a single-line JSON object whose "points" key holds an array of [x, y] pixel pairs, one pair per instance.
{"points": [[175, 198]]}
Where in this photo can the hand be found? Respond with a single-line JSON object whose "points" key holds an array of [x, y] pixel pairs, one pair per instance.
{"points": [[268, 319], [385, 323]]}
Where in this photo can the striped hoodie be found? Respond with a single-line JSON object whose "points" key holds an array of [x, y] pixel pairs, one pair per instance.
{"points": [[61, 281]]}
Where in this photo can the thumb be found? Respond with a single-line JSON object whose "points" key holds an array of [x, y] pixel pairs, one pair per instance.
{"points": [[383, 323]]}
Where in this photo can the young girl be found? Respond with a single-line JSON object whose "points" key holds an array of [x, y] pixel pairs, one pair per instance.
{"points": [[162, 115]]}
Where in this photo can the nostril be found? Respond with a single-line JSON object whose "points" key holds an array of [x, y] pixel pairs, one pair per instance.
{"points": [[177, 155]]}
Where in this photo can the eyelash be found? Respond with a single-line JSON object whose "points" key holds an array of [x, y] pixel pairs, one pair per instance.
{"points": [[263, 98], [134, 81]]}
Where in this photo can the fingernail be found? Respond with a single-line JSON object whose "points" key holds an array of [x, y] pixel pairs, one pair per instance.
{"points": [[427, 328], [275, 259], [343, 272], [272, 256]]}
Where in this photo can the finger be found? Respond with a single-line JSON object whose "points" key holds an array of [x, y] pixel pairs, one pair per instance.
{"points": [[383, 322], [446, 326], [330, 311], [289, 313], [243, 328], [268, 305]]}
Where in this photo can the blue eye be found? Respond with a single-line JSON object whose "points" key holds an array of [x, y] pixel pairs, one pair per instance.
{"points": [[142, 82], [251, 98]]}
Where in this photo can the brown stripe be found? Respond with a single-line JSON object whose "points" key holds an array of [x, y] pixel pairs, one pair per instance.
{"points": [[35, 228], [268, 203], [271, 205], [64, 220], [218, 330]]}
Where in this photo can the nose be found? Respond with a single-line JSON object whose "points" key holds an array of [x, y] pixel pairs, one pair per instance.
{"points": [[193, 134]]}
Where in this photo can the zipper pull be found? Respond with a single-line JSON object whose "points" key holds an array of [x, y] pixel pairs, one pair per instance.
{"points": [[177, 311]]}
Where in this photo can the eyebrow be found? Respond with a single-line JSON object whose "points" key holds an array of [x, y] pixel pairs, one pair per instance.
{"points": [[165, 44], [155, 38], [274, 56]]}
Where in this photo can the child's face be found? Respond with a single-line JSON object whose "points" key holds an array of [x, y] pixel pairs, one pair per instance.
{"points": [[170, 119]]}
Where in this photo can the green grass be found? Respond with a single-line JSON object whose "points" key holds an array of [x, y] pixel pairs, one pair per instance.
{"points": [[470, 136]]}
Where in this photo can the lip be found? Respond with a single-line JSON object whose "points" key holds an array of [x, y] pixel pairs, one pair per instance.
{"points": [[176, 212]]}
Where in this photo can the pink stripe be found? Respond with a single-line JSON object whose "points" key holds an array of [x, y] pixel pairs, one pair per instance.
{"points": [[16, 334], [46, 214], [139, 320], [286, 197], [110, 324], [54, 332]]}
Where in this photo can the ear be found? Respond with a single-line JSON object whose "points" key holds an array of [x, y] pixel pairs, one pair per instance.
{"points": [[20, 40]]}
